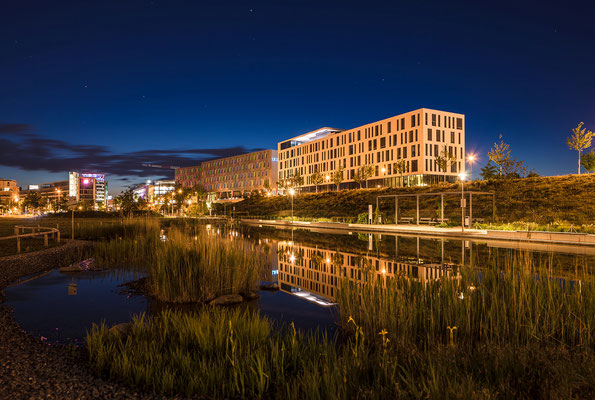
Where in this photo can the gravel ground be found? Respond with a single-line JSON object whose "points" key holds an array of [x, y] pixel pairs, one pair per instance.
{"points": [[30, 369]]}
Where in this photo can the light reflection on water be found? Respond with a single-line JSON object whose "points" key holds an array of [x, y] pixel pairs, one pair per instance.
{"points": [[307, 265]]}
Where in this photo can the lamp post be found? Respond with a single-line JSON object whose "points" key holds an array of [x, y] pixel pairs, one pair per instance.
{"points": [[57, 199], [462, 177], [471, 160], [328, 179], [291, 193]]}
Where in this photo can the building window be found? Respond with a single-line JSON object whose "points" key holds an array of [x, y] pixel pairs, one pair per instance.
{"points": [[429, 134], [414, 166], [388, 127], [433, 119], [459, 123], [452, 137], [382, 142]]}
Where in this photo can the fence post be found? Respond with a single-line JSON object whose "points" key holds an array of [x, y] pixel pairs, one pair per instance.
{"points": [[18, 244], [16, 230], [58, 236], [45, 240]]}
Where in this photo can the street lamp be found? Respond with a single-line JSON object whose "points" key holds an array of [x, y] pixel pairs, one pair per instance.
{"points": [[471, 160], [462, 177], [328, 179], [291, 193]]}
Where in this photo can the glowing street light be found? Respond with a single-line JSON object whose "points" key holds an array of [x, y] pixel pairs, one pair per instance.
{"points": [[462, 177], [471, 159]]}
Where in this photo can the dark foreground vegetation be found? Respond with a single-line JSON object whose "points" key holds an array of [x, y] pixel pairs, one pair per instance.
{"points": [[490, 333], [548, 202]]}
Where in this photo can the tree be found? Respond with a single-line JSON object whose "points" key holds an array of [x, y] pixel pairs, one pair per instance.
{"points": [[579, 140], [126, 201], [297, 180], [400, 167], [362, 174], [489, 171], [499, 154], [445, 160], [34, 201], [317, 179], [588, 161], [338, 176], [266, 184]]}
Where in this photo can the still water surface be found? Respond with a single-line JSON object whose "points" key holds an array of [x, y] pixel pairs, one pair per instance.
{"points": [[307, 264]]}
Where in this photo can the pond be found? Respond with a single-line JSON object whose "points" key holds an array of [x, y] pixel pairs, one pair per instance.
{"points": [[307, 264]]}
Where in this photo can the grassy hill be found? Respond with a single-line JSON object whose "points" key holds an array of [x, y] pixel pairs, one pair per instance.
{"points": [[543, 200]]}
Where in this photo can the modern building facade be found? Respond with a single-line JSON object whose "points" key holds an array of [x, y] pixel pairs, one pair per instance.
{"points": [[90, 189], [401, 150], [9, 192], [235, 176]]}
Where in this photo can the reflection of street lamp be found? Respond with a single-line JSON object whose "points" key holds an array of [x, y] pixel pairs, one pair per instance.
{"points": [[471, 160], [291, 193], [462, 177]]}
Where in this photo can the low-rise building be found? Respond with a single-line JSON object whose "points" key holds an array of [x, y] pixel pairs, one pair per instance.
{"points": [[9, 193]]}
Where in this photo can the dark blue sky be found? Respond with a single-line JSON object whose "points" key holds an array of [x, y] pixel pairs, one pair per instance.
{"points": [[111, 84]]}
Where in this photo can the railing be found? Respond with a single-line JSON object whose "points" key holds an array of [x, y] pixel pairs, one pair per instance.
{"points": [[36, 231], [300, 219]]}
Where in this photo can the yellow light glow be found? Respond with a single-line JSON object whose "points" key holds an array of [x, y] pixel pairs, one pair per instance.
{"points": [[291, 192]]}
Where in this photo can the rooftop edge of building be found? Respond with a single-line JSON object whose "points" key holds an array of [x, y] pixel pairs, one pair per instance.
{"points": [[329, 130]]}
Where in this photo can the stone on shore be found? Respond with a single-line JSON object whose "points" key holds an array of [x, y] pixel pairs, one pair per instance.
{"points": [[269, 286], [227, 300], [248, 296], [85, 265], [121, 330]]}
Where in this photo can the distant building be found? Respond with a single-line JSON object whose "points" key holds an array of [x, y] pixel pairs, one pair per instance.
{"points": [[79, 188], [235, 176], [152, 190], [9, 192], [412, 140]]}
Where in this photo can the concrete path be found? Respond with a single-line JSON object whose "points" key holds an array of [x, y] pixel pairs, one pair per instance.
{"points": [[582, 239]]}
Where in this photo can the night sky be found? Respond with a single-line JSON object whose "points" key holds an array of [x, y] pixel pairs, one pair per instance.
{"points": [[108, 85]]}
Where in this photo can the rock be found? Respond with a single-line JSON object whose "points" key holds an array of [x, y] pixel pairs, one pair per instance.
{"points": [[227, 300], [121, 330], [72, 268], [85, 265], [250, 296], [269, 286]]}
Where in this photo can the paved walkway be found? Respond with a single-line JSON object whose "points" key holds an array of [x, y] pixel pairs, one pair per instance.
{"points": [[581, 239]]}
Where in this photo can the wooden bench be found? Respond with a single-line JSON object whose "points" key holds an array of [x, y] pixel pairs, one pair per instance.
{"points": [[429, 221], [407, 220], [441, 220]]}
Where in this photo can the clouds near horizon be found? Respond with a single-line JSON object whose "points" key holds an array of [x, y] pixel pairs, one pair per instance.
{"points": [[21, 147]]}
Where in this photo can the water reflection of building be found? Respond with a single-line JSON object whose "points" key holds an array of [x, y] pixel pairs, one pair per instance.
{"points": [[318, 271]]}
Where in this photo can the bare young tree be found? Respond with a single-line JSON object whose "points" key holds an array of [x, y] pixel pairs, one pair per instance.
{"points": [[445, 160], [400, 167], [338, 176], [362, 174], [579, 141], [317, 179], [500, 155]]}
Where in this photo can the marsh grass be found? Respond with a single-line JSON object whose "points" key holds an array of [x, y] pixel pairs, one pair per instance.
{"points": [[518, 305], [187, 265]]}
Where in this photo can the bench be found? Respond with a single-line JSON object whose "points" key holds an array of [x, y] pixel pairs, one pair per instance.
{"points": [[425, 220], [441, 220], [407, 220]]}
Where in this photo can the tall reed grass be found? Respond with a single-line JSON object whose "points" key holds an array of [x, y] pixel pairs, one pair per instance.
{"points": [[518, 305], [188, 265]]}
